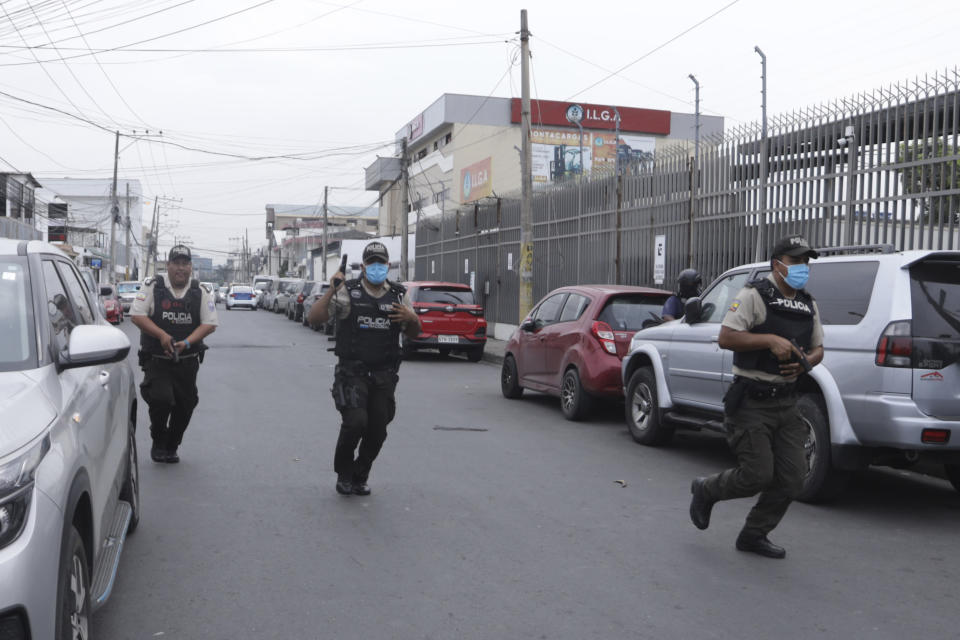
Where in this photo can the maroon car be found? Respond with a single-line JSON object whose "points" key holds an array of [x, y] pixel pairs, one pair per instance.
{"points": [[111, 304], [570, 345]]}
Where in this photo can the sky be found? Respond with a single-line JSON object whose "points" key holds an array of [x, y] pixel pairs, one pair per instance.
{"points": [[278, 98]]}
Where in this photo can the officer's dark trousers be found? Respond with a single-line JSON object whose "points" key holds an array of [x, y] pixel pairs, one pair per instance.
{"points": [[170, 391], [767, 437], [365, 400]]}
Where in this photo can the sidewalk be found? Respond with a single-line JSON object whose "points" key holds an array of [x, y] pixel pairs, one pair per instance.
{"points": [[494, 351]]}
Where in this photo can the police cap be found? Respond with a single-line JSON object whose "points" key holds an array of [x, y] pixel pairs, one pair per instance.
{"points": [[795, 246]]}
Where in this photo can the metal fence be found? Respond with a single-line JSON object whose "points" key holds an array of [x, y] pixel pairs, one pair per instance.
{"points": [[878, 168], [12, 228]]}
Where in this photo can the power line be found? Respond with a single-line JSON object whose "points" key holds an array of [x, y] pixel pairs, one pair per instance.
{"points": [[654, 50]]}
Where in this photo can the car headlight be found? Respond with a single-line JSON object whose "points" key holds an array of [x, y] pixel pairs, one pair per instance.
{"points": [[16, 490]]}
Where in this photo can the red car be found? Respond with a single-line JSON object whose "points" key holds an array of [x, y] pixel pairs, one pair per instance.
{"points": [[111, 304], [451, 320], [571, 343]]}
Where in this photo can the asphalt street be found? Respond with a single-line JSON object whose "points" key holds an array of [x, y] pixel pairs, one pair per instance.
{"points": [[491, 519]]}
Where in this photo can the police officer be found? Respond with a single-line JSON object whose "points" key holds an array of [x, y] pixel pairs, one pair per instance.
{"points": [[688, 286], [372, 312], [174, 314], [773, 327]]}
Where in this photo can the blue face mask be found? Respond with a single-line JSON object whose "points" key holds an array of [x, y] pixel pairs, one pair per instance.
{"points": [[797, 275], [376, 273]]}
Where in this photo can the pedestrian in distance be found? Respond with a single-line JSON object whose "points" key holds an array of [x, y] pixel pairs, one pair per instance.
{"points": [[372, 313], [174, 314], [773, 327], [689, 284]]}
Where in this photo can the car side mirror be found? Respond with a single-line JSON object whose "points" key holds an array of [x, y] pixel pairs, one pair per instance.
{"points": [[92, 344], [693, 310], [529, 325]]}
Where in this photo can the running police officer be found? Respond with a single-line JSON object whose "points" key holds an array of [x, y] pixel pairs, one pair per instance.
{"points": [[773, 327], [371, 312], [174, 315], [688, 286]]}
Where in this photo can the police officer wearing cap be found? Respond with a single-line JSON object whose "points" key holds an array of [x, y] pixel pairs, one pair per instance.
{"points": [[174, 314], [372, 313], [773, 327], [688, 286]]}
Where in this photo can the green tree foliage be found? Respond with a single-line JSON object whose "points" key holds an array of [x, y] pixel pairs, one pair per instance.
{"points": [[931, 178]]}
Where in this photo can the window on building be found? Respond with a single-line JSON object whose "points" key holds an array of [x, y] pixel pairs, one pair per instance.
{"points": [[436, 145], [447, 139], [422, 154]]}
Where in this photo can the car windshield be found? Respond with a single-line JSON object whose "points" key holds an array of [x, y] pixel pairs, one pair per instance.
{"points": [[17, 346], [444, 295], [128, 287], [242, 290], [628, 313]]}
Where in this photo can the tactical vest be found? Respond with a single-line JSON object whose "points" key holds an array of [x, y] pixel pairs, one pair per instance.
{"points": [[177, 317], [368, 334], [790, 319]]}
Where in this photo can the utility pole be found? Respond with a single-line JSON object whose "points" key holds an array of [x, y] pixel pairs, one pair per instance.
{"points": [[324, 263], [764, 154], [152, 239], [694, 174], [114, 212], [405, 211], [526, 179], [126, 272]]}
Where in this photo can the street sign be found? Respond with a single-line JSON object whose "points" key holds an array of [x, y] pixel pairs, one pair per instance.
{"points": [[659, 259], [96, 263]]}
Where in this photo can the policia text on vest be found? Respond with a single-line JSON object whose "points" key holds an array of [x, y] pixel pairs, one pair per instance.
{"points": [[773, 327], [174, 315], [372, 314]]}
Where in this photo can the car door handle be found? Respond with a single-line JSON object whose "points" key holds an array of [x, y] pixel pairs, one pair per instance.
{"points": [[104, 378]]}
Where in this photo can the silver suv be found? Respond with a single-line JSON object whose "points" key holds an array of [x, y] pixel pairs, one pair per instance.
{"points": [[887, 392], [68, 458]]}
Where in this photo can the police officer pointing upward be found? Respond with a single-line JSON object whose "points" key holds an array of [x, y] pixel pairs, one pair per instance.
{"points": [[773, 327], [372, 313], [174, 315]]}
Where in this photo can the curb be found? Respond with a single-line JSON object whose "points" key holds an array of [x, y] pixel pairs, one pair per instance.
{"points": [[493, 358]]}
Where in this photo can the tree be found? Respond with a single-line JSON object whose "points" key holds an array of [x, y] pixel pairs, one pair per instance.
{"points": [[931, 177]]}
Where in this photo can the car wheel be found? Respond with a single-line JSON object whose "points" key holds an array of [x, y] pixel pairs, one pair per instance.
{"points": [[475, 355], [574, 400], [953, 474], [509, 379], [130, 492], [73, 589], [642, 410], [822, 482]]}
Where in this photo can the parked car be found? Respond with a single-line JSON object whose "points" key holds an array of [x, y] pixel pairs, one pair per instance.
{"points": [[112, 309], [222, 294], [451, 320], [286, 287], [241, 296], [295, 301], [127, 291], [89, 278], [885, 393], [571, 343], [69, 481], [262, 284], [316, 293]]}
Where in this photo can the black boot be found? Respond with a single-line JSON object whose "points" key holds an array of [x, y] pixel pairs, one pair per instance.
{"points": [[344, 486], [360, 486], [700, 504], [760, 545], [157, 452]]}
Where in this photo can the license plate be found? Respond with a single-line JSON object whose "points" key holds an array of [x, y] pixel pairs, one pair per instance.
{"points": [[448, 339]]}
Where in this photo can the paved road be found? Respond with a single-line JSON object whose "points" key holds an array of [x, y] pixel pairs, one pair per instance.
{"points": [[518, 530]]}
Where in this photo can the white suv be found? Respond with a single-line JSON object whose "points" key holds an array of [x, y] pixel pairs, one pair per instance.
{"points": [[69, 486], [887, 392]]}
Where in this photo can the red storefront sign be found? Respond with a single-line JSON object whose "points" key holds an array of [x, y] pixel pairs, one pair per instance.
{"points": [[595, 116]]}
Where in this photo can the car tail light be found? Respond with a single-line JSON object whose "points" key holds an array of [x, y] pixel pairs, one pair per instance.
{"points": [[604, 334], [233, 295], [895, 347], [476, 312], [935, 436], [300, 298]]}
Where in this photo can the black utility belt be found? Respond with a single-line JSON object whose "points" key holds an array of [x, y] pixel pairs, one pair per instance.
{"points": [[759, 390]]}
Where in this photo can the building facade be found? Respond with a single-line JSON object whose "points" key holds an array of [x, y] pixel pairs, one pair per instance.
{"points": [[463, 149], [18, 218], [294, 231]]}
